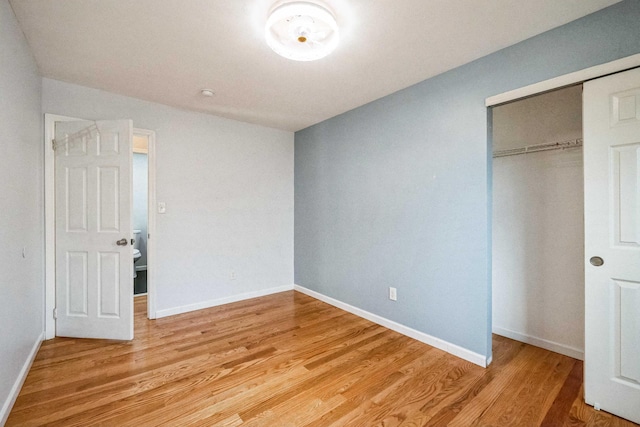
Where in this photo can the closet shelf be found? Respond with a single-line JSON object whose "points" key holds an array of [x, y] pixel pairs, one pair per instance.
{"points": [[563, 145]]}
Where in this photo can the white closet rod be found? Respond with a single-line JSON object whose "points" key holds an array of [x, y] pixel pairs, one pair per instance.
{"points": [[573, 143]]}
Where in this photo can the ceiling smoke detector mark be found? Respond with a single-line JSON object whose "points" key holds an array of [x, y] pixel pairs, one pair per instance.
{"points": [[302, 31]]}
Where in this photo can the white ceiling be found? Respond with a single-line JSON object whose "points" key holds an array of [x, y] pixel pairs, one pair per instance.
{"points": [[167, 50]]}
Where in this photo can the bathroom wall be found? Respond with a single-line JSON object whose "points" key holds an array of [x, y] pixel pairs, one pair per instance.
{"points": [[228, 187], [140, 203], [538, 226], [21, 215], [140, 218]]}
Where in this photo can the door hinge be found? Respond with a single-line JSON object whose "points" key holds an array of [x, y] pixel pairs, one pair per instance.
{"points": [[55, 313]]}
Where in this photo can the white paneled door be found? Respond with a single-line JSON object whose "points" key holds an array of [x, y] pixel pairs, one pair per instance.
{"points": [[611, 120], [94, 270]]}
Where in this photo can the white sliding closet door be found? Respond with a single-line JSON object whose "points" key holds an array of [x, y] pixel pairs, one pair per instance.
{"points": [[612, 243]]}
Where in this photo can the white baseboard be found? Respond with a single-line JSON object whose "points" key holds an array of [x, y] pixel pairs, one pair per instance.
{"points": [[17, 385], [576, 353], [456, 350], [220, 301]]}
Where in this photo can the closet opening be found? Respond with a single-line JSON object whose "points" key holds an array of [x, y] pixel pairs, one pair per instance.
{"points": [[538, 221]]}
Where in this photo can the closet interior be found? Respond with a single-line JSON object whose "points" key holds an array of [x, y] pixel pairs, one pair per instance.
{"points": [[538, 226]]}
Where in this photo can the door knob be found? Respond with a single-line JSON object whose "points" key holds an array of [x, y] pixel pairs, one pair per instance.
{"points": [[122, 242], [596, 261]]}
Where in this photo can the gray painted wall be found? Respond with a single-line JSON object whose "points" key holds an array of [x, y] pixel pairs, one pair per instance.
{"points": [[228, 188], [396, 193], [21, 195]]}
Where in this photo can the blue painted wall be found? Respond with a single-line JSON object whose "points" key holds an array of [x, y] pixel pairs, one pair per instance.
{"points": [[397, 192]]}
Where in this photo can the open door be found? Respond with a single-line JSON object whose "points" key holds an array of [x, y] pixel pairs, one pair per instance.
{"points": [[611, 120], [94, 264]]}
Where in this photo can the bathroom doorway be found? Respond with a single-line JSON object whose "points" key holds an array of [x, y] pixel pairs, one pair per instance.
{"points": [[140, 212]]}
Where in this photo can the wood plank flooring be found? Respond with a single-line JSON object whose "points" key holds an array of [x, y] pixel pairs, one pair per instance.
{"points": [[290, 360]]}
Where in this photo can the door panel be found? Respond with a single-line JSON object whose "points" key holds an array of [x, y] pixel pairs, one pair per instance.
{"points": [[77, 295], [611, 120], [109, 284], [94, 290], [108, 199], [76, 219], [628, 300], [625, 192]]}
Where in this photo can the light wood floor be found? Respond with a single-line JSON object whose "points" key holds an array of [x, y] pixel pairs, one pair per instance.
{"points": [[290, 360]]}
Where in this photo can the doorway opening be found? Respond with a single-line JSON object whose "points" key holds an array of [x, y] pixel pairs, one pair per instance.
{"points": [[50, 221], [538, 221], [140, 220], [610, 117]]}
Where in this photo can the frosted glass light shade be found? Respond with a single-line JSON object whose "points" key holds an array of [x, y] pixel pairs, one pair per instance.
{"points": [[302, 31]]}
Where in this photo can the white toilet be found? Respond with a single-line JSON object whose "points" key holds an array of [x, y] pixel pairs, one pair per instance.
{"points": [[136, 249]]}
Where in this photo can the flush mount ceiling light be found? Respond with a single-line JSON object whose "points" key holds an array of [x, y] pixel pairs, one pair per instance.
{"points": [[302, 31]]}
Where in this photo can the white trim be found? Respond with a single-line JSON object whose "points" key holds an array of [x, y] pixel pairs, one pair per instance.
{"points": [[221, 301], [566, 80], [453, 349], [17, 385], [576, 353]]}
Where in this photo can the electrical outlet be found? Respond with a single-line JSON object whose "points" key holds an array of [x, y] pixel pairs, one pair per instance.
{"points": [[232, 275], [393, 294]]}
